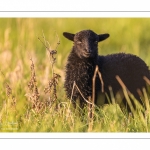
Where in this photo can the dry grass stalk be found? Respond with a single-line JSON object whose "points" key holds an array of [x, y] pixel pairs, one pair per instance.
{"points": [[75, 86], [92, 100], [34, 95], [91, 107], [90, 114], [93, 83], [53, 82], [147, 80], [100, 77], [9, 93], [51, 89], [126, 92], [52, 52], [8, 90]]}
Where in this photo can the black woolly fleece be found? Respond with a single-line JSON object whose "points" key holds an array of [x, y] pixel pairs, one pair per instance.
{"points": [[80, 70]]}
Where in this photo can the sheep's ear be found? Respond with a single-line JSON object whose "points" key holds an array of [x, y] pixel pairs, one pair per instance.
{"points": [[103, 36], [69, 36]]}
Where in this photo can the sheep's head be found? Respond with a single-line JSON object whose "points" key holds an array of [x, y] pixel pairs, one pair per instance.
{"points": [[86, 42]]}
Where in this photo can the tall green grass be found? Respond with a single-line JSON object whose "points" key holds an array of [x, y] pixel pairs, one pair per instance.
{"points": [[19, 42]]}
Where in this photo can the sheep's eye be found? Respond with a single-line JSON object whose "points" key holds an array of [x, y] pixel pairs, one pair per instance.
{"points": [[95, 42], [79, 42]]}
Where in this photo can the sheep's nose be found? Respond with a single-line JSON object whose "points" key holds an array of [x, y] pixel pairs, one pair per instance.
{"points": [[87, 47], [88, 50]]}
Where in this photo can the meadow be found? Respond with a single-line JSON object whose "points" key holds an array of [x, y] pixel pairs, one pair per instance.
{"points": [[32, 97]]}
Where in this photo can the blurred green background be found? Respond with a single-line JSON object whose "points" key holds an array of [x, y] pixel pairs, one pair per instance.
{"points": [[20, 36]]}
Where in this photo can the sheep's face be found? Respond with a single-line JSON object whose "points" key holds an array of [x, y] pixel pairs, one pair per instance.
{"points": [[86, 42]]}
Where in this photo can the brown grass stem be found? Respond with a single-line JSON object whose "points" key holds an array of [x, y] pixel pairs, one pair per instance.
{"points": [[126, 92], [75, 85]]}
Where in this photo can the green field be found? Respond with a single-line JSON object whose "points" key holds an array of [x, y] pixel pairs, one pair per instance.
{"points": [[28, 100]]}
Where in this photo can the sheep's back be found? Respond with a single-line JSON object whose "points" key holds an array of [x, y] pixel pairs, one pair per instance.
{"points": [[128, 67]]}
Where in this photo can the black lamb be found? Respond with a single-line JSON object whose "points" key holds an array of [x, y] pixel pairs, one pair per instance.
{"points": [[82, 62]]}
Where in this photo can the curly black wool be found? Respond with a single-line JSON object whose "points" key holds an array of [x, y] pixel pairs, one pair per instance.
{"points": [[83, 59]]}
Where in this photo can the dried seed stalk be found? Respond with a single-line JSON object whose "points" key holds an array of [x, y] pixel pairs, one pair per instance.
{"points": [[52, 52], [11, 97], [92, 100], [34, 95], [53, 82], [51, 88]]}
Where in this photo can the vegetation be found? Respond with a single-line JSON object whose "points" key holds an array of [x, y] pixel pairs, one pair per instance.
{"points": [[33, 54]]}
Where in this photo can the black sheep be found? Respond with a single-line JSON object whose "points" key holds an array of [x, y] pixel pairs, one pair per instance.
{"points": [[82, 62]]}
